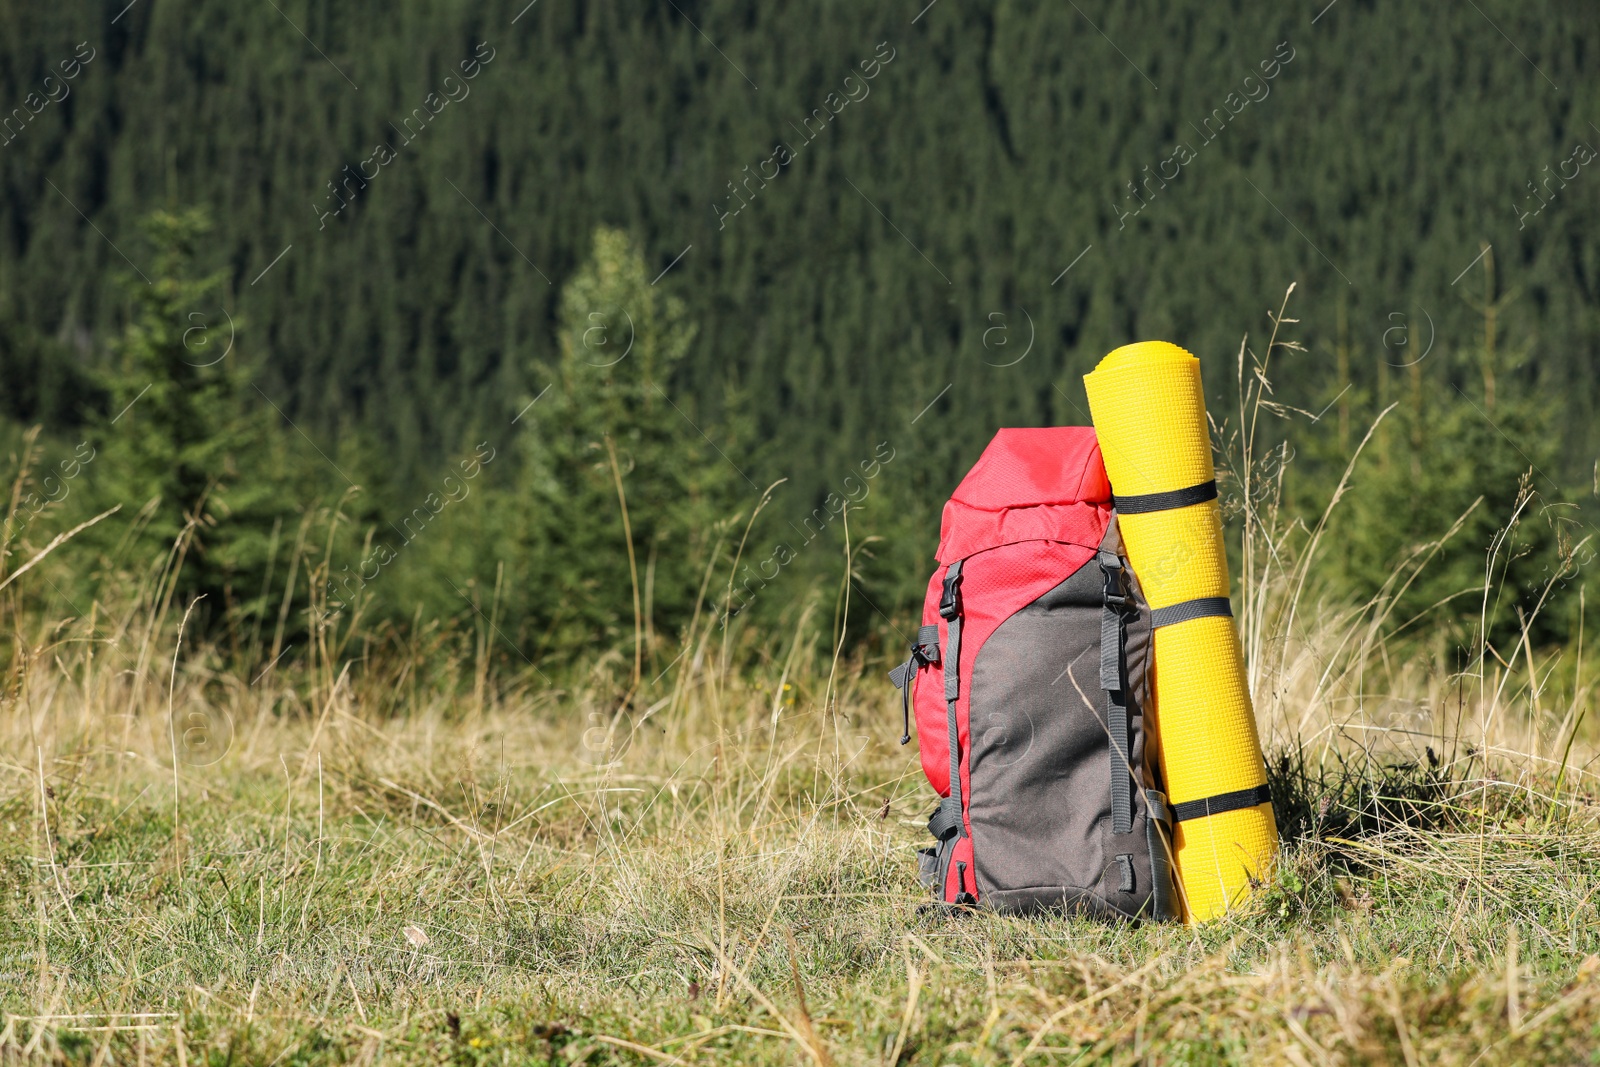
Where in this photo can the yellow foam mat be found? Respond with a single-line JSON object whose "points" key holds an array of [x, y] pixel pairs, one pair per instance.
{"points": [[1149, 414], [1177, 569]]}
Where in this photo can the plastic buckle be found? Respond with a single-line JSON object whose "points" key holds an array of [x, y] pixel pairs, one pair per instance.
{"points": [[1116, 587], [950, 601]]}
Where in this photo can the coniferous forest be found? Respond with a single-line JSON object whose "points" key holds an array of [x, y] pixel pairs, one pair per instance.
{"points": [[533, 304]]}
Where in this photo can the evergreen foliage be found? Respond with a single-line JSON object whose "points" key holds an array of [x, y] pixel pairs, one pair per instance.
{"points": [[605, 432], [401, 193], [183, 444]]}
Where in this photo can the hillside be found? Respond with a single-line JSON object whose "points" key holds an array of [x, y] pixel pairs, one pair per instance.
{"points": [[860, 206]]}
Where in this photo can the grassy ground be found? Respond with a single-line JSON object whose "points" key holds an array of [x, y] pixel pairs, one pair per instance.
{"points": [[522, 879], [351, 859]]}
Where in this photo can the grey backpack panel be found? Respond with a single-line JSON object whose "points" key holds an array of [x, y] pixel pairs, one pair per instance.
{"points": [[1039, 752], [1041, 760]]}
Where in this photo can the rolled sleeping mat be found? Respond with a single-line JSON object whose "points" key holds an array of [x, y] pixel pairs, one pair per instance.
{"points": [[1150, 416]]}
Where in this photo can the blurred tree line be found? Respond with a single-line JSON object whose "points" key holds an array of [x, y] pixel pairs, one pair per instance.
{"points": [[557, 182]]}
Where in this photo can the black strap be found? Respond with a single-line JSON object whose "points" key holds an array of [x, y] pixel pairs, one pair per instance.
{"points": [[1198, 608], [1125, 862], [1112, 634], [1173, 498], [1164, 904], [1240, 798], [1115, 600], [950, 611]]}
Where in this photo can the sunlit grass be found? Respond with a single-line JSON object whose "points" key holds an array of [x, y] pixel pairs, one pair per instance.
{"points": [[489, 884]]}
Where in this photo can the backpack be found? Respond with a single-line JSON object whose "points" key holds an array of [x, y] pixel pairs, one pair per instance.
{"points": [[1029, 680]]}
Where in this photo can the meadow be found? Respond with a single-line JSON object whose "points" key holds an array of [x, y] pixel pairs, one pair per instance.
{"points": [[407, 856]]}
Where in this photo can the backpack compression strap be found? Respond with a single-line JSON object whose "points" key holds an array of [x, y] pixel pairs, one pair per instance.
{"points": [[1112, 639], [1198, 608], [947, 820], [1208, 806], [1144, 503]]}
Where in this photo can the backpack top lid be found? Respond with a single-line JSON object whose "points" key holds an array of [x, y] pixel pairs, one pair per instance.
{"points": [[1043, 484]]}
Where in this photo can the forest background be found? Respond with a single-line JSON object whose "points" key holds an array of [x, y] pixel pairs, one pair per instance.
{"points": [[515, 313]]}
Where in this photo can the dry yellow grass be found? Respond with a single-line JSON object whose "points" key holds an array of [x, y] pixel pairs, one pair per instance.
{"points": [[521, 876]]}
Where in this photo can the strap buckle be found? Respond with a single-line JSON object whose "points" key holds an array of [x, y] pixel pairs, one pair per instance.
{"points": [[1116, 581], [950, 601]]}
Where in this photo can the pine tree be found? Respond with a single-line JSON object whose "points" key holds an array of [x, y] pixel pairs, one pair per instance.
{"points": [[180, 440], [606, 429]]}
